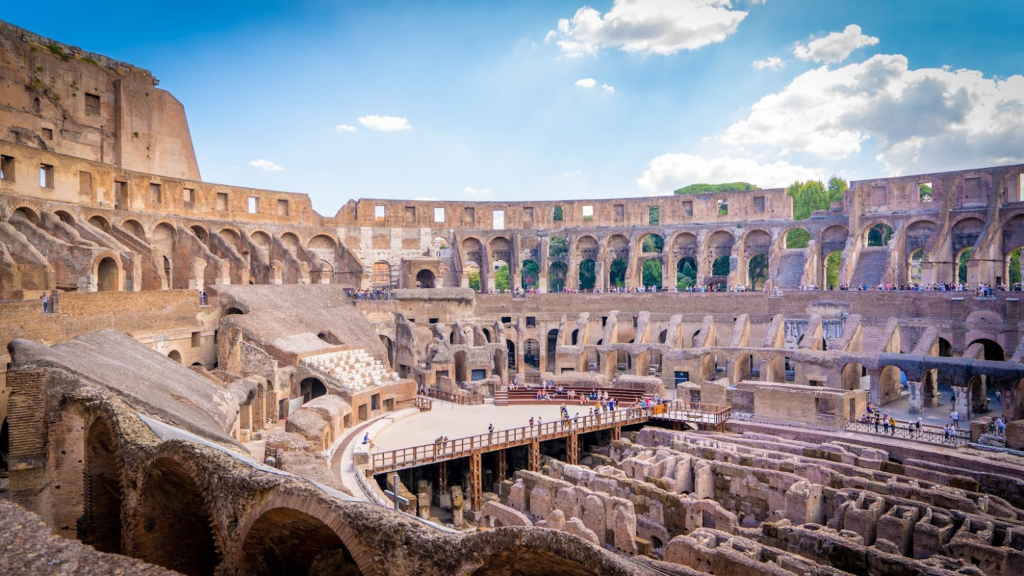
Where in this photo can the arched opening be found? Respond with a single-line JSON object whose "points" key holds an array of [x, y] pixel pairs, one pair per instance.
{"points": [[311, 388], [757, 271], [652, 244], [556, 276], [651, 272], [558, 248], [101, 223], [502, 276], [832, 263], [542, 563], [531, 275], [934, 385], [425, 279], [487, 334], [1013, 276], [686, 273], [531, 353], [134, 228], [879, 234], [511, 347], [232, 310], [29, 214], [588, 274], [380, 274], [961, 265], [945, 348], [65, 217], [37, 106], [914, 265], [617, 273], [175, 355], [993, 351], [851, 376], [201, 233], [720, 267], [461, 366], [285, 541], [575, 336], [552, 346], [100, 523], [889, 384], [389, 347], [797, 238], [107, 276], [174, 527]]}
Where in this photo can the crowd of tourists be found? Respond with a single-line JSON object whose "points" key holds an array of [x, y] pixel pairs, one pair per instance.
{"points": [[886, 424], [367, 294]]}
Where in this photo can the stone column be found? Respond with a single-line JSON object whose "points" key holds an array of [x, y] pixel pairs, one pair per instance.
{"points": [[960, 400], [916, 397]]}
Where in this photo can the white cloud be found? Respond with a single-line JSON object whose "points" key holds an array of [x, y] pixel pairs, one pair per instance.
{"points": [[647, 26], [385, 123], [673, 171], [572, 173], [586, 83], [608, 87], [345, 128], [835, 47], [476, 192], [769, 63], [266, 165], [922, 120]]}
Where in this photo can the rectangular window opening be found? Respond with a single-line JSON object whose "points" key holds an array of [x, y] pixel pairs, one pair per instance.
{"points": [[924, 192], [92, 104], [557, 214], [620, 212], [469, 214], [410, 214], [378, 212], [188, 195], [528, 214], [45, 176], [653, 215], [723, 207], [222, 201], [155, 193], [438, 214], [531, 321], [499, 219], [588, 213], [85, 184], [254, 205], [433, 320], [7, 168], [282, 207], [1020, 187], [759, 204], [506, 319], [688, 208], [196, 339], [48, 133]]}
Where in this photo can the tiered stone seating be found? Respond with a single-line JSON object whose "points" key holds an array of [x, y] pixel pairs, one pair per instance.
{"points": [[353, 369]]}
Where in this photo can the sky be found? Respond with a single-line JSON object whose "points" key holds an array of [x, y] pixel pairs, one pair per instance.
{"points": [[553, 99]]}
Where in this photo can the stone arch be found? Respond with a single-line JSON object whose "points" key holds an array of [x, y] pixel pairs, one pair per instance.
{"points": [[311, 388], [233, 310], [472, 248], [888, 384], [993, 351], [914, 260], [201, 233], [101, 223], [290, 241], [531, 353], [380, 274], [501, 249], [134, 228], [586, 247], [796, 238], [833, 239], [651, 272], [850, 376], [174, 526], [557, 272], [322, 242], [297, 529], [29, 214], [103, 489], [617, 246], [918, 234], [961, 265], [174, 355], [65, 217], [425, 279], [878, 235], [259, 238], [719, 247], [652, 243], [550, 553], [108, 275]]}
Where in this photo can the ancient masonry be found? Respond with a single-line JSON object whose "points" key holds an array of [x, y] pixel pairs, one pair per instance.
{"points": [[157, 330]]}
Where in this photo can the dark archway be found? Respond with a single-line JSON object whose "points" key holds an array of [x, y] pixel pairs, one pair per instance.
{"points": [[425, 279], [757, 271], [511, 347], [174, 525], [101, 223], [552, 346], [106, 276], [100, 523], [879, 235], [311, 388], [617, 272], [686, 273], [531, 275], [993, 351], [175, 355], [284, 541], [531, 353], [232, 310]]}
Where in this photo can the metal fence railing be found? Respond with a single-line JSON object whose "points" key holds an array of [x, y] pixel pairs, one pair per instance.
{"points": [[908, 430]]}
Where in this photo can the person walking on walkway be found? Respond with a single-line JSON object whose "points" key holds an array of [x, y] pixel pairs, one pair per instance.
{"points": [[955, 417]]}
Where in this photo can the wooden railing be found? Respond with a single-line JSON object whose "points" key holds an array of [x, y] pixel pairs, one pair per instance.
{"points": [[424, 403], [709, 414], [466, 399]]}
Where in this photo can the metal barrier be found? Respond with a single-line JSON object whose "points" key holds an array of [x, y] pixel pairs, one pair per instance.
{"points": [[465, 399], [908, 430], [424, 403]]}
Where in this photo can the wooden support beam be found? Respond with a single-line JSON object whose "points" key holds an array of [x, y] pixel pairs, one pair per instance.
{"points": [[573, 448], [442, 477], [534, 457], [476, 482], [502, 470]]}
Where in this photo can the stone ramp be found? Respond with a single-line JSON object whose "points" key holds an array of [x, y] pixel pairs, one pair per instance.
{"points": [[791, 269], [871, 265]]}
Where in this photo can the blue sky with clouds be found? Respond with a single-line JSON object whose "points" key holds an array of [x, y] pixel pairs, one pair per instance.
{"points": [[539, 99]]}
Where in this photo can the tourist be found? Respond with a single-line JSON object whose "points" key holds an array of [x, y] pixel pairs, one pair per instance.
{"points": [[892, 425], [885, 426], [918, 425], [946, 430], [1000, 426], [878, 420], [531, 420], [955, 417], [46, 303]]}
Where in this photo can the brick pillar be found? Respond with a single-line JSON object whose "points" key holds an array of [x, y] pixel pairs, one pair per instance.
{"points": [[573, 448], [502, 466], [534, 456], [475, 482], [442, 477], [26, 414]]}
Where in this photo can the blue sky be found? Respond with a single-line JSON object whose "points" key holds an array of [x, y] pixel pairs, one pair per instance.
{"points": [[498, 101]]}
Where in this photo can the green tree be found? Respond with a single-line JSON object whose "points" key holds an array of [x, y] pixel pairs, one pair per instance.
{"points": [[588, 277], [714, 188], [531, 275], [965, 256], [832, 269], [798, 238], [556, 276], [720, 267], [557, 214], [558, 247], [653, 215], [651, 272], [474, 280], [653, 243], [812, 195], [501, 281], [1015, 275], [758, 271], [686, 276], [924, 192], [617, 273]]}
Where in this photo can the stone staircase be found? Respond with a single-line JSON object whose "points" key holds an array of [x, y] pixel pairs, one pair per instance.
{"points": [[871, 266], [352, 369], [501, 397], [791, 269]]}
